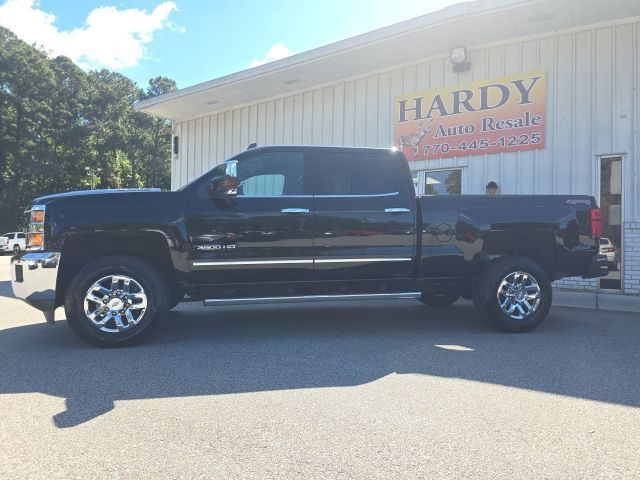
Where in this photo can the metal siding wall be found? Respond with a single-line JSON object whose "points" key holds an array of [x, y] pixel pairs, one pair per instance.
{"points": [[338, 115], [624, 114], [385, 111], [360, 118], [590, 111], [287, 123], [196, 165], [585, 171], [348, 135]]}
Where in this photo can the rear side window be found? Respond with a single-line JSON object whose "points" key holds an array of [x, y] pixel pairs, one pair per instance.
{"points": [[21, 236], [271, 174], [354, 173]]}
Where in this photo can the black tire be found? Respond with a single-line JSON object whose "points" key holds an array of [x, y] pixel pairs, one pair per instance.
{"points": [[152, 282], [439, 300], [16, 249], [487, 285]]}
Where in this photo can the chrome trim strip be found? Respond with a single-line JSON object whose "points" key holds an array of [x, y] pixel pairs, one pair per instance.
{"points": [[363, 260], [396, 210], [212, 302], [390, 194], [207, 263], [294, 210], [275, 196], [213, 263]]}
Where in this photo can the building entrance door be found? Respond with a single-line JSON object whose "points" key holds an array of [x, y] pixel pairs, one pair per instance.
{"points": [[611, 202]]}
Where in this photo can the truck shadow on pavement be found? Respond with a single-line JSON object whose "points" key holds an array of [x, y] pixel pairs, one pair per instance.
{"points": [[197, 351], [5, 289]]}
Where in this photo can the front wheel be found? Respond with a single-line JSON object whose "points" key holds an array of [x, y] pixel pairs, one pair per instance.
{"points": [[16, 249], [113, 301], [513, 293]]}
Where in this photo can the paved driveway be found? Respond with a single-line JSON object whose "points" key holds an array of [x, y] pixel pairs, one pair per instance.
{"points": [[380, 390]]}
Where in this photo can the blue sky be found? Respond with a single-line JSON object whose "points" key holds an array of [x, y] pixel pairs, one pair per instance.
{"points": [[194, 41]]}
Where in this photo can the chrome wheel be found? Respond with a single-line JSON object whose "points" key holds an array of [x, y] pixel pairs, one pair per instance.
{"points": [[115, 303], [519, 295]]}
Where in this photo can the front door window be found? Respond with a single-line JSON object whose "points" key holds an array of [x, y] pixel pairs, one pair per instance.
{"points": [[271, 174]]}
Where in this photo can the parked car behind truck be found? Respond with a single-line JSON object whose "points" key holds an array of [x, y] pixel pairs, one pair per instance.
{"points": [[298, 224], [14, 242], [609, 250]]}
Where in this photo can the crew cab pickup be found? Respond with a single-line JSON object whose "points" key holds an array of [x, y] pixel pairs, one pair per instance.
{"points": [[299, 224]]}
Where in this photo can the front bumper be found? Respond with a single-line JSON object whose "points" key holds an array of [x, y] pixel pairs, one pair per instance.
{"points": [[598, 267], [33, 279]]}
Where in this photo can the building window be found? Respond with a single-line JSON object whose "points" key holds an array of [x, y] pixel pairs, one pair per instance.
{"points": [[440, 182]]}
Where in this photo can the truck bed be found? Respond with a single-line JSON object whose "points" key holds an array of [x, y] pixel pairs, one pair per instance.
{"points": [[458, 231]]}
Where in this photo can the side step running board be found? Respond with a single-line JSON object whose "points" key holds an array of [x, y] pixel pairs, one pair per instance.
{"points": [[216, 302]]}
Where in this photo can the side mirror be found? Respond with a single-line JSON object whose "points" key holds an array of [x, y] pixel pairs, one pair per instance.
{"points": [[223, 186], [226, 185]]}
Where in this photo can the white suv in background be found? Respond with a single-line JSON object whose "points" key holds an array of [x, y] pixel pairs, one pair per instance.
{"points": [[14, 242]]}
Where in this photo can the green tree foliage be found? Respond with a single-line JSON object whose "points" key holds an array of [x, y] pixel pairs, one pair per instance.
{"points": [[63, 129]]}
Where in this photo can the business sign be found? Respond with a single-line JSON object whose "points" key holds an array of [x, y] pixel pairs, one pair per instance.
{"points": [[491, 116]]}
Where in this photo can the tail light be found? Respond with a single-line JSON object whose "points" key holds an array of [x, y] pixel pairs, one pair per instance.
{"points": [[596, 223]]}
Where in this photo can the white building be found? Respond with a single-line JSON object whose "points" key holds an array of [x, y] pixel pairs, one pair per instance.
{"points": [[585, 54]]}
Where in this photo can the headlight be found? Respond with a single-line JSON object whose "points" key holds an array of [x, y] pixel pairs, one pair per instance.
{"points": [[35, 235]]}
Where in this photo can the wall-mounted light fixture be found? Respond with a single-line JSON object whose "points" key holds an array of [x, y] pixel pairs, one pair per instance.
{"points": [[492, 188], [175, 145], [459, 59]]}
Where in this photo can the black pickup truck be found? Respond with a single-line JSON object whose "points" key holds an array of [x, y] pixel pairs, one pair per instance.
{"points": [[299, 224]]}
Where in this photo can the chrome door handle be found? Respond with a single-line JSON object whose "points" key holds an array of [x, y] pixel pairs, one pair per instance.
{"points": [[294, 210], [396, 210]]}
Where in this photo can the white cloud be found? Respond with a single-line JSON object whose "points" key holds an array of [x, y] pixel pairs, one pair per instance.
{"points": [[110, 38], [276, 52]]}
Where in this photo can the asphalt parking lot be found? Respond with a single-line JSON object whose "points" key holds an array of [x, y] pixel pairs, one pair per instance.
{"points": [[381, 390]]}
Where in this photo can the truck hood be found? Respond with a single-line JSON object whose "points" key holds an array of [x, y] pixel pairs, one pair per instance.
{"points": [[49, 198]]}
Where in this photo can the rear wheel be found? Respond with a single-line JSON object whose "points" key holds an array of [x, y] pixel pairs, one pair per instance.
{"points": [[114, 300], [439, 299], [513, 293]]}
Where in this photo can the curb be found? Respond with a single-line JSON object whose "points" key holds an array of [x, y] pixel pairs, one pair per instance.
{"points": [[615, 302]]}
